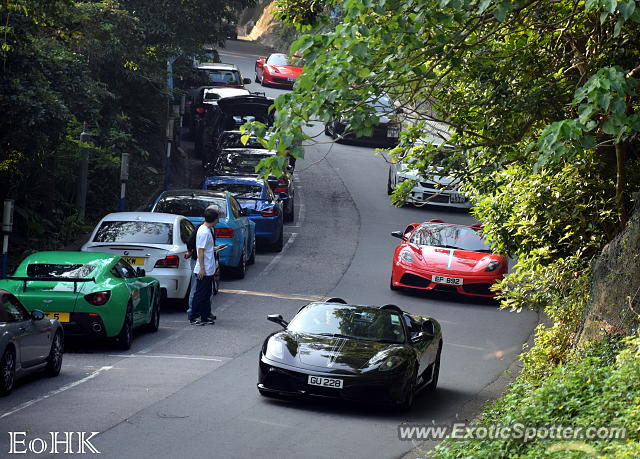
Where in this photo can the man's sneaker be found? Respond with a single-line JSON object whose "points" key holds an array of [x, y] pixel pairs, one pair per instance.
{"points": [[211, 319], [196, 321]]}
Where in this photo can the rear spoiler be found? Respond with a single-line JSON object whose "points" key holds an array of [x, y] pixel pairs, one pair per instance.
{"points": [[75, 280]]}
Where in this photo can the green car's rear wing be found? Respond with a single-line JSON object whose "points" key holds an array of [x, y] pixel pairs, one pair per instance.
{"points": [[75, 280]]}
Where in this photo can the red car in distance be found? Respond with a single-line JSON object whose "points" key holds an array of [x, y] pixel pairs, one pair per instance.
{"points": [[278, 70], [435, 255]]}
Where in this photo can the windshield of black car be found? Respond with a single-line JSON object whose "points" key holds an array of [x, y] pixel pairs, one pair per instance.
{"points": [[281, 59], [135, 232], [357, 322], [449, 236], [240, 190], [238, 163], [59, 270], [221, 77], [189, 206], [233, 140]]}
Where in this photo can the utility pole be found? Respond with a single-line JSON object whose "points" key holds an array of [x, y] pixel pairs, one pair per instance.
{"points": [[7, 228], [167, 159], [124, 178], [81, 195]]}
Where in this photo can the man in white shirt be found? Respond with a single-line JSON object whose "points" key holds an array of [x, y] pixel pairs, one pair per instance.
{"points": [[205, 269]]}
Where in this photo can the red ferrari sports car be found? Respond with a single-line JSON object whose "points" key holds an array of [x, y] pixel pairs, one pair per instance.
{"points": [[278, 70], [435, 255]]}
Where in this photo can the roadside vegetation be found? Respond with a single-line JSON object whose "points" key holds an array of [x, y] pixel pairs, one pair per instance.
{"points": [[542, 108], [67, 64]]}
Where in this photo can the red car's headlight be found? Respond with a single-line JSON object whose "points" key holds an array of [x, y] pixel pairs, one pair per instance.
{"points": [[493, 266], [405, 255]]}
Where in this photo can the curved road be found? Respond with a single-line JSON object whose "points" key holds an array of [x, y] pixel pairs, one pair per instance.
{"points": [[190, 391]]}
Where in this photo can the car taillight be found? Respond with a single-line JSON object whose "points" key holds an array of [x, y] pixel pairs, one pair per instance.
{"points": [[98, 298], [282, 186], [224, 232], [269, 212], [201, 110], [170, 261]]}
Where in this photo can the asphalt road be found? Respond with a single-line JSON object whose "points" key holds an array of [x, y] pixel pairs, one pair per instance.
{"points": [[190, 391]]}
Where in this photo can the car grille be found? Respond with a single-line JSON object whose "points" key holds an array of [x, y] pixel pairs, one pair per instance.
{"points": [[478, 289], [441, 197], [414, 281], [282, 380], [446, 288]]}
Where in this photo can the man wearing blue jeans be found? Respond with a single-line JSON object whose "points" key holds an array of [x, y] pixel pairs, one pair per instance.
{"points": [[205, 269]]}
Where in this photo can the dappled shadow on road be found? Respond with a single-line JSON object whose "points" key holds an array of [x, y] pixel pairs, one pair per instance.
{"points": [[427, 406]]}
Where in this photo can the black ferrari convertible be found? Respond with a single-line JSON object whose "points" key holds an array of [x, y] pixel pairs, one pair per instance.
{"points": [[363, 353]]}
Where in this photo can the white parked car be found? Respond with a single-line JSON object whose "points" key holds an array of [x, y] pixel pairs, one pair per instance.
{"points": [[155, 242], [437, 190]]}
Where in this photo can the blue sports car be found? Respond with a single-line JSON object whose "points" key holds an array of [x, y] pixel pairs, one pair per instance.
{"points": [[234, 228], [255, 195]]}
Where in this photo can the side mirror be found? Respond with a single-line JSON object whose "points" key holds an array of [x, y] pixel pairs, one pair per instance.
{"points": [[37, 314], [418, 338], [244, 212], [246, 81], [260, 61], [277, 318], [399, 235], [428, 329], [140, 272]]}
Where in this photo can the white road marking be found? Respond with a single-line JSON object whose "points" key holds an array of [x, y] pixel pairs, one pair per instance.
{"points": [[182, 357], [55, 392], [269, 423], [278, 257], [284, 296]]}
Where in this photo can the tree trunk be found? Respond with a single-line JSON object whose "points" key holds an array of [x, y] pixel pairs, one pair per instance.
{"points": [[621, 158]]}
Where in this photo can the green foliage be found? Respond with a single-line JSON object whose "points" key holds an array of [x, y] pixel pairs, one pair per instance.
{"points": [[67, 63], [599, 387]]}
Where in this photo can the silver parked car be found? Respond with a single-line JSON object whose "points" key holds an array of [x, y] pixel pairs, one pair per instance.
{"points": [[436, 190], [29, 341]]}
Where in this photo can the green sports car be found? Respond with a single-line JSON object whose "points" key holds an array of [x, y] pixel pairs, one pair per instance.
{"points": [[92, 294]]}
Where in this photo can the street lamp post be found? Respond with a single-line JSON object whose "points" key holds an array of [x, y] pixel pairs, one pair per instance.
{"points": [[81, 196], [7, 228], [124, 178]]}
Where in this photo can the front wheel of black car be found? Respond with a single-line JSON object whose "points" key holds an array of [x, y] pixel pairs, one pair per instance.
{"points": [[410, 395], [125, 337], [7, 371], [431, 387], [326, 129], [389, 188], [54, 361]]}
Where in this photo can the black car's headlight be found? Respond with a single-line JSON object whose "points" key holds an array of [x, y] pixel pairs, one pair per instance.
{"points": [[405, 255], [391, 363], [494, 265], [274, 350]]}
